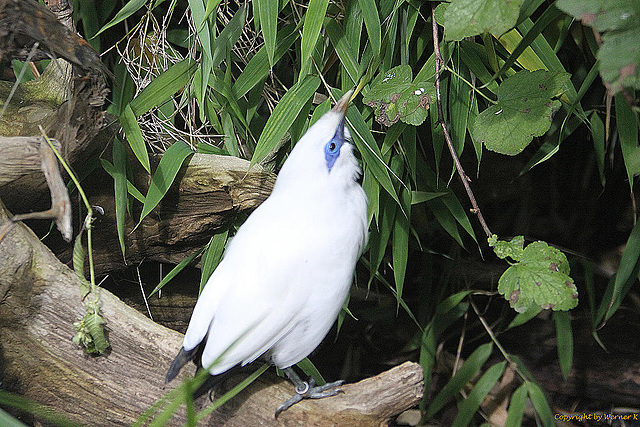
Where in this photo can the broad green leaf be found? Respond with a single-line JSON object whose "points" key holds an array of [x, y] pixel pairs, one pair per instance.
{"points": [[129, 9], [212, 257], [516, 407], [524, 109], [283, 116], [164, 86], [163, 177], [133, 133], [313, 19], [620, 70], [175, 270], [469, 369], [604, 15], [268, 12], [120, 188], [394, 96], [540, 277], [371, 18], [470, 405], [465, 18], [564, 339]]}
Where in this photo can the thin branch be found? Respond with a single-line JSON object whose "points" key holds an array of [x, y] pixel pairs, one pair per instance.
{"points": [[447, 136]]}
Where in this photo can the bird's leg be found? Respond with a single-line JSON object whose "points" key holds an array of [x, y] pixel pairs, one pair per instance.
{"points": [[307, 390]]}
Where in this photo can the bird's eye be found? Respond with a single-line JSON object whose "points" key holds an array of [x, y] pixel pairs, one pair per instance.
{"points": [[331, 152], [332, 146]]}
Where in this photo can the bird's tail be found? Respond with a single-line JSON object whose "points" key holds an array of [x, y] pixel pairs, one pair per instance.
{"points": [[184, 357]]}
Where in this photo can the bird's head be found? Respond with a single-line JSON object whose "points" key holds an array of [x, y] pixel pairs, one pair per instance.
{"points": [[325, 151]]}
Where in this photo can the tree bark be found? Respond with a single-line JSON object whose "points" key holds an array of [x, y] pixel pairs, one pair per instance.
{"points": [[40, 299]]}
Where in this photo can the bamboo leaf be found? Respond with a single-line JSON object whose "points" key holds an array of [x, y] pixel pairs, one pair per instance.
{"points": [[120, 188], [175, 270], [164, 175], [313, 20], [163, 87], [133, 133], [268, 13], [540, 403], [369, 10], [564, 339], [283, 117], [129, 9], [212, 257], [516, 407], [470, 405]]}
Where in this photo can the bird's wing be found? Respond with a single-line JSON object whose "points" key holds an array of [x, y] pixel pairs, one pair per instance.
{"points": [[250, 301]]}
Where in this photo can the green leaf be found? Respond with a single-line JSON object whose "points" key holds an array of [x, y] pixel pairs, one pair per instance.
{"points": [[469, 369], [470, 405], [313, 19], [371, 18], [268, 12], [564, 339], [524, 110], [394, 96], [79, 255], [539, 278], [619, 21], [598, 134], [516, 407], [424, 196], [168, 168], [524, 317], [175, 270], [212, 257], [627, 121], [348, 57], [310, 370], [111, 170], [540, 403], [133, 133], [94, 324], [120, 188], [129, 9], [8, 421], [283, 117], [513, 249], [163, 87], [626, 271], [466, 18]]}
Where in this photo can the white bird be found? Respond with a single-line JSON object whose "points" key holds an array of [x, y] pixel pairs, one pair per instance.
{"points": [[287, 272]]}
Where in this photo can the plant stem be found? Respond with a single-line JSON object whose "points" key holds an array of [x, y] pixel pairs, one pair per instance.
{"points": [[447, 136], [468, 83]]}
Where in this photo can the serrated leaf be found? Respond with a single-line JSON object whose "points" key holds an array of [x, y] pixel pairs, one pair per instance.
{"points": [[512, 249], [524, 109], [394, 96], [164, 175], [604, 15], [541, 277], [466, 18]]}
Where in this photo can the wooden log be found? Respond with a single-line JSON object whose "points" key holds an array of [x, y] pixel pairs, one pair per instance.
{"points": [[40, 299]]}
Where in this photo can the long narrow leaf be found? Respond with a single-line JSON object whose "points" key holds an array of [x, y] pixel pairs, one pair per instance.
{"points": [[120, 188], [129, 9], [133, 133], [313, 20], [369, 10], [268, 12], [164, 175], [283, 116], [564, 339], [175, 270], [468, 408]]}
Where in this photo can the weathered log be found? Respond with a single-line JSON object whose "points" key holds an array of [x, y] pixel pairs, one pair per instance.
{"points": [[208, 193], [40, 299]]}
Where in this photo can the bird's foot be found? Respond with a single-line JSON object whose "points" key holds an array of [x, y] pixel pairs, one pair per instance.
{"points": [[310, 391]]}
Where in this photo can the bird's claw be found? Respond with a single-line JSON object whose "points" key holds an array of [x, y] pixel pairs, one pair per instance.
{"points": [[311, 391]]}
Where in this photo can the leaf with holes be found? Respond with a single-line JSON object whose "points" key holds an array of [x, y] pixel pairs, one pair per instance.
{"points": [[539, 277], [524, 109], [394, 97]]}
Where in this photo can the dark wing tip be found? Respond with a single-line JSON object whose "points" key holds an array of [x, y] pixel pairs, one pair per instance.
{"points": [[181, 359]]}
